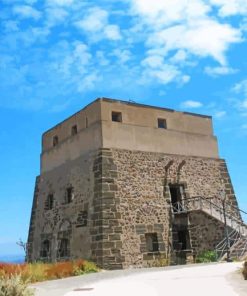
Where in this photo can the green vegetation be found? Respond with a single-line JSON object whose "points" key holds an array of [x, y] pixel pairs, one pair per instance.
{"points": [[206, 256]]}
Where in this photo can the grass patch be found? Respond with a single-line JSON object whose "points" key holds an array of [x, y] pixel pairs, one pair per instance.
{"points": [[206, 256]]}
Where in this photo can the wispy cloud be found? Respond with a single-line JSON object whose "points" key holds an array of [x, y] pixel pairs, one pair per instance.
{"points": [[95, 21], [240, 91], [218, 71], [191, 104], [230, 8], [176, 25], [219, 114], [73, 46], [60, 2], [26, 11]]}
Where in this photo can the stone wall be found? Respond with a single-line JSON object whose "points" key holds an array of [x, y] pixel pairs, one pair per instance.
{"points": [[121, 199], [205, 231], [106, 229], [144, 200], [72, 220]]}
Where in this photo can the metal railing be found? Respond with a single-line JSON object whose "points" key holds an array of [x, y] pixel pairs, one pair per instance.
{"points": [[206, 205], [222, 247], [236, 240]]}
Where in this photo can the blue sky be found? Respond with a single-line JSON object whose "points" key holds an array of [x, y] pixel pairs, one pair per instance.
{"points": [[58, 55]]}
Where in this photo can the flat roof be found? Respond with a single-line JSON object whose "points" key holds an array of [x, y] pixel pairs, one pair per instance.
{"points": [[130, 102]]}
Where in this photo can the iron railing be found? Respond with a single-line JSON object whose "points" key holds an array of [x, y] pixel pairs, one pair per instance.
{"points": [[208, 206], [236, 240]]}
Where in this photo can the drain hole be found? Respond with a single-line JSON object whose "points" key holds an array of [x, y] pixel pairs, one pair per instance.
{"points": [[82, 289]]}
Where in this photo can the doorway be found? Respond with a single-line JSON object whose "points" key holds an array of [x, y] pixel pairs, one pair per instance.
{"points": [[176, 192]]}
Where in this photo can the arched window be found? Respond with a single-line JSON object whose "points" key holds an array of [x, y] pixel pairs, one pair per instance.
{"points": [[45, 249]]}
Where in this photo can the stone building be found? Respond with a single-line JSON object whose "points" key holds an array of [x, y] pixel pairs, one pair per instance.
{"points": [[129, 185]]}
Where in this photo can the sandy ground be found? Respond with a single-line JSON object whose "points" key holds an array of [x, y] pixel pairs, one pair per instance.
{"points": [[221, 279]]}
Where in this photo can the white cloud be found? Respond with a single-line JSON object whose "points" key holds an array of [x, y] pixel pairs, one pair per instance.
{"points": [[241, 87], [101, 58], [95, 21], [60, 2], [180, 56], [112, 32], [185, 25], [244, 104], [217, 71], [11, 26], [240, 103], [219, 114], [202, 38], [55, 15], [25, 11], [163, 74], [123, 56], [191, 104], [161, 13], [153, 61], [230, 7], [97, 27]]}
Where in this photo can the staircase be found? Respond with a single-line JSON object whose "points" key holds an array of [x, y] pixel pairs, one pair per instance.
{"points": [[235, 242]]}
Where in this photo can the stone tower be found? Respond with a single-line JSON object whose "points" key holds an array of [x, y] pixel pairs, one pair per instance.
{"points": [[126, 184]]}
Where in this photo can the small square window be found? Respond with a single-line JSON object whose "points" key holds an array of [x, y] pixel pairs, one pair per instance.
{"points": [[152, 242], [162, 123], [55, 141], [116, 116], [74, 130]]}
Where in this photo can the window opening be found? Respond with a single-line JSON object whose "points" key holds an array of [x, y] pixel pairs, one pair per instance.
{"points": [[50, 202], [176, 197], [82, 219], [152, 242], [74, 130], [63, 250], [55, 141], [162, 123], [69, 195], [183, 239], [117, 116], [45, 249]]}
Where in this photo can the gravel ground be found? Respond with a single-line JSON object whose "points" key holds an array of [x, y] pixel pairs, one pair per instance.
{"points": [[223, 279]]}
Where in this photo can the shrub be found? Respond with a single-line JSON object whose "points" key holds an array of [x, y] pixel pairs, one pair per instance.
{"points": [[206, 256], [14, 286], [59, 270], [82, 267], [12, 269], [37, 272]]}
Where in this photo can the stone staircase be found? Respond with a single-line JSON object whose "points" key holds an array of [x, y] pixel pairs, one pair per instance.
{"points": [[236, 243]]}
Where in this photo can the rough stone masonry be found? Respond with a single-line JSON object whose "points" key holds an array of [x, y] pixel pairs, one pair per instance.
{"points": [[115, 184]]}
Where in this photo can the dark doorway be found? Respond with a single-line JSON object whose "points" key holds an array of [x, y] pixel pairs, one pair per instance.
{"points": [[183, 239], [176, 191]]}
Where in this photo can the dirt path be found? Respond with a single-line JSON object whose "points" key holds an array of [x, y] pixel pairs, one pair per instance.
{"points": [[221, 279]]}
